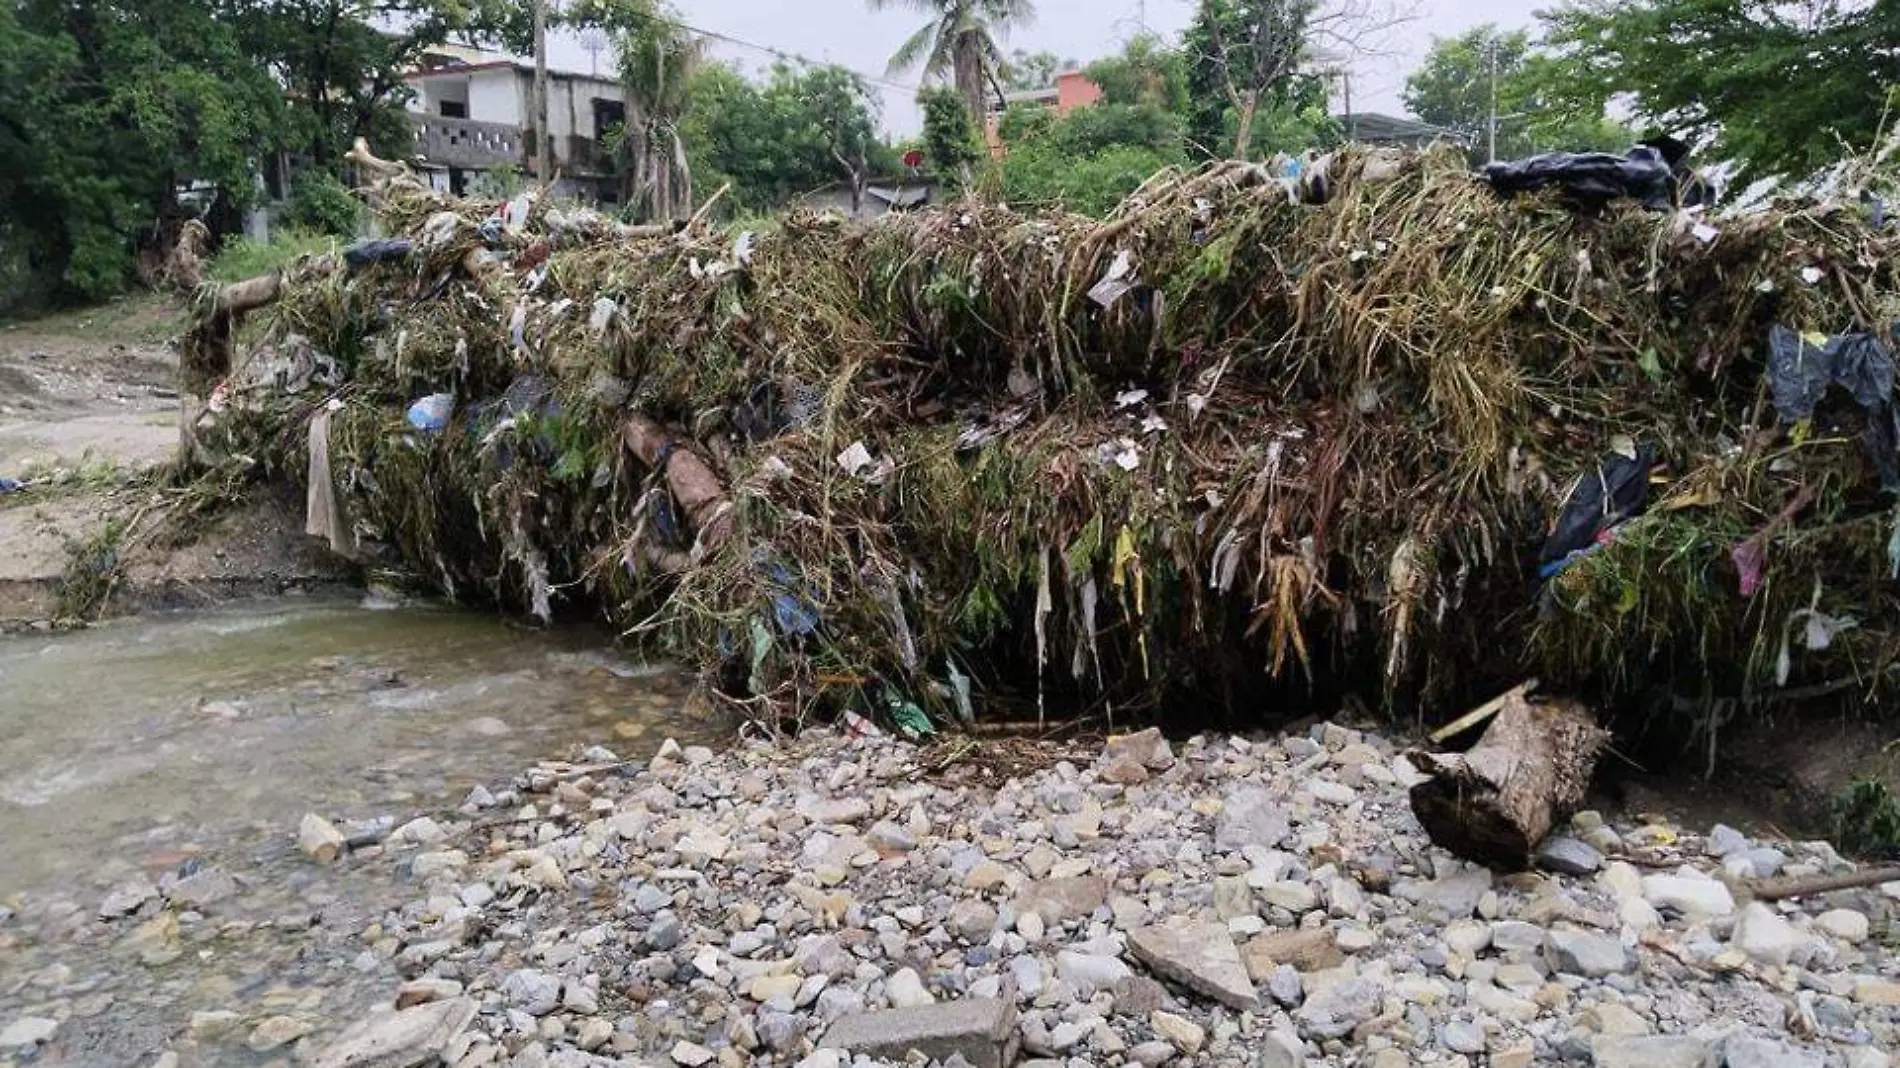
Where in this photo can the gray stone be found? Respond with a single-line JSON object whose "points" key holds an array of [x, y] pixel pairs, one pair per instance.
{"points": [[1767, 861], [1281, 1050], [27, 1032], [1762, 934], [1233, 896], [1139, 995], [580, 998], [1462, 1036], [1152, 1054], [1763, 1051], [827, 811], [691, 1054], [1845, 924], [1337, 1009], [1330, 792], [1089, 972], [1651, 1051], [358, 834], [1688, 894], [1187, 1036], [1060, 900], [1026, 972], [1147, 748], [1199, 956], [836, 1001], [1568, 856], [973, 921], [277, 1031], [651, 899], [1586, 953], [905, 990], [1247, 817], [127, 897], [980, 1030], [665, 932], [533, 992], [404, 1039], [888, 837], [781, 1031], [421, 831], [1295, 897], [1285, 986], [1724, 840], [1455, 895], [1516, 936], [204, 887]]}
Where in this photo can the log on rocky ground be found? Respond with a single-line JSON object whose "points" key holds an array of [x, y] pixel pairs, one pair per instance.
{"points": [[1526, 775]]}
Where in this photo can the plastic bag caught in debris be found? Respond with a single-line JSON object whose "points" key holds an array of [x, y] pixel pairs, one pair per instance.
{"points": [[1617, 491], [366, 254], [1591, 179], [1803, 367], [1115, 283], [431, 413]]}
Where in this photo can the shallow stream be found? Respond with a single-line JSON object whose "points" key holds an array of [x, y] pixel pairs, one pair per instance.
{"points": [[170, 746]]}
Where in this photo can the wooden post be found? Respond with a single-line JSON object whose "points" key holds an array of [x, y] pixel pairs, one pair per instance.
{"points": [[1526, 775]]}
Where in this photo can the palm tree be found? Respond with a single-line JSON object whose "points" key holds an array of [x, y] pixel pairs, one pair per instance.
{"points": [[657, 59], [959, 39]]}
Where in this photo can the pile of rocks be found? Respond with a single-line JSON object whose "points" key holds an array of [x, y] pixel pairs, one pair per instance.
{"points": [[1265, 903]]}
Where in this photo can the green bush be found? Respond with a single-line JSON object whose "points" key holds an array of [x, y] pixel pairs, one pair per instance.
{"points": [[320, 203], [1866, 820], [242, 258]]}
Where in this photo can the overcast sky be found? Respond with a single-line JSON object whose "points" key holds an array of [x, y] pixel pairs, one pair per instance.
{"points": [[848, 33]]}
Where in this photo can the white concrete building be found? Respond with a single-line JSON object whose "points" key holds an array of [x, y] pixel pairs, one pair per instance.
{"points": [[473, 113]]}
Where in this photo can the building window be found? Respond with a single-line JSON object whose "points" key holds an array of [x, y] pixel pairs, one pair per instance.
{"points": [[608, 115], [455, 109]]}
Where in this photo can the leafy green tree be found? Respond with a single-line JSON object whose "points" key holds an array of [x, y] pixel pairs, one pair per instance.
{"points": [[1032, 70], [1147, 72], [950, 141], [1452, 88], [801, 130], [1242, 56], [1038, 173], [342, 75], [110, 110], [1783, 89], [1093, 157], [960, 41], [835, 110]]}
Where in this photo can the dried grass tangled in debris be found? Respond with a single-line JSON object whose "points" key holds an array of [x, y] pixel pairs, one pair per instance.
{"points": [[1298, 442]]}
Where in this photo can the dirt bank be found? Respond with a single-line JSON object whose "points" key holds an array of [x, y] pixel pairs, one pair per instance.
{"points": [[88, 409]]}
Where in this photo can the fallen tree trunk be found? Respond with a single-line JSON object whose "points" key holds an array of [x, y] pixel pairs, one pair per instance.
{"points": [[1528, 773], [205, 358]]}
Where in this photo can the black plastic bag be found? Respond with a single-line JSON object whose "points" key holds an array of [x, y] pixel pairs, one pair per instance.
{"points": [[1590, 179], [1800, 373], [1616, 492], [383, 250]]}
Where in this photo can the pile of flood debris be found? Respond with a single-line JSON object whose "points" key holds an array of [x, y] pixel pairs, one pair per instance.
{"points": [[1395, 424]]}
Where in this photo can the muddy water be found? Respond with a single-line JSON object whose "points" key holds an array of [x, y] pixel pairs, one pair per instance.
{"points": [[164, 748]]}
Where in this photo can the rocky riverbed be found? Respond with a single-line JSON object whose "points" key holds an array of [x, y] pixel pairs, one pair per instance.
{"points": [[836, 900]]}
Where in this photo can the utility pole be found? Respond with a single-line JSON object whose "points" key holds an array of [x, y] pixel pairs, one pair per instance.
{"points": [[1491, 128], [543, 167], [1352, 126]]}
